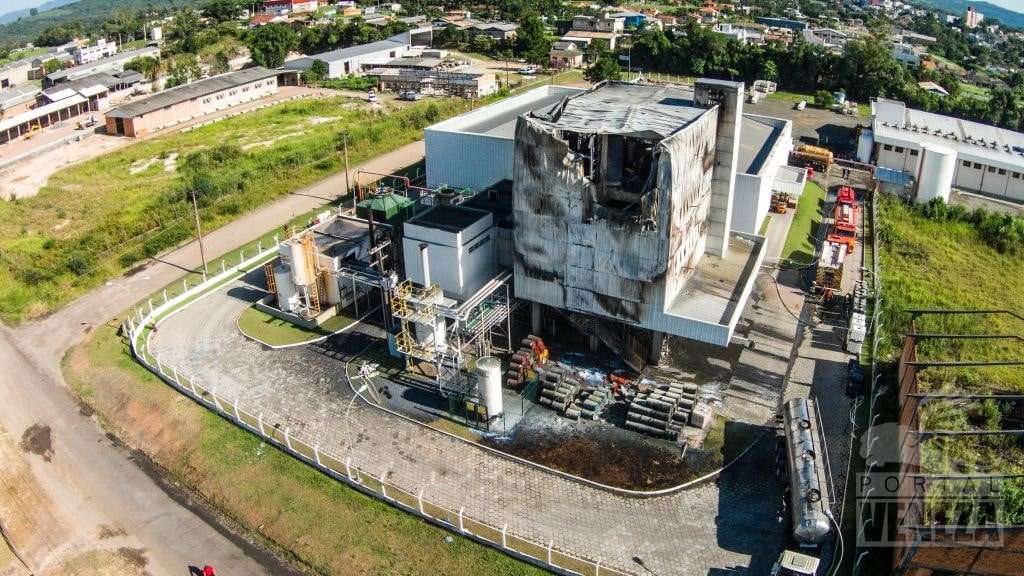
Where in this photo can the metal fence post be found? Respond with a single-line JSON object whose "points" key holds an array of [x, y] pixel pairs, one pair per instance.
{"points": [[383, 485], [184, 284], [461, 511], [419, 498], [150, 305], [504, 535], [159, 368], [204, 277], [174, 374], [241, 257], [165, 295], [192, 385], [222, 267], [597, 568], [275, 239], [348, 468], [259, 246], [238, 417]]}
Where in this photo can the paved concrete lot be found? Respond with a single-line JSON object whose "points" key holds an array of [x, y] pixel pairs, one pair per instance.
{"points": [[813, 125], [730, 526]]}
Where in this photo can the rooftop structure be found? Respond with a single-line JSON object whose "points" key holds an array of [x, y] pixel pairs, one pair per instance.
{"points": [[113, 63], [989, 159], [354, 59], [633, 228], [476, 149], [191, 100]]}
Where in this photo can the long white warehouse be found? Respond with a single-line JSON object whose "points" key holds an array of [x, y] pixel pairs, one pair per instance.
{"points": [[988, 159]]}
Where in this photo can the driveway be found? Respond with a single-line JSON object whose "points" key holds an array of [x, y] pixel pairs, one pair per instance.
{"points": [[89, 493]]}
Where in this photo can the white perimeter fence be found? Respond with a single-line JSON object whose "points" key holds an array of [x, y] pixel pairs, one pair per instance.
{"points": [[140, 325]]}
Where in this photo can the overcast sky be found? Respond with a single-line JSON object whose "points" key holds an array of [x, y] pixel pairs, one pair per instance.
{"points": [[12, 5]]}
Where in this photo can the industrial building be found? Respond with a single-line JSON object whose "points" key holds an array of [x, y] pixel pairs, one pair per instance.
{"points": [[434, 76], [476, 149], [16, 72], [355, 59], [189, 101], [89, 54], [111, 64], [56, 104], [633, 230], [974, 157]]}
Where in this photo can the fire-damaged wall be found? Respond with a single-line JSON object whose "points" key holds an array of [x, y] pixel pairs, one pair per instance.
{"points": [[607, 223]]}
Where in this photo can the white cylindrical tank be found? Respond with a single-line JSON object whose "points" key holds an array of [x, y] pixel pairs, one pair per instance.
{"points": [[333, 291], [488, 371], [298, 259], [935, 172], [287, 297]]}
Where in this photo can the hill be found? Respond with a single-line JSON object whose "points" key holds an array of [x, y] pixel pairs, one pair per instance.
{"points": [[48, 5], [28, 27], [958, 7]]}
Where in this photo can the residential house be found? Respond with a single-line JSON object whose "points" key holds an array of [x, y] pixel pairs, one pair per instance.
{"points": [[564, 55]]}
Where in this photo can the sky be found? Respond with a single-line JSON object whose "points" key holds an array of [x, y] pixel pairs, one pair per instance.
{"points": [[1015, 5], [12, 5]]}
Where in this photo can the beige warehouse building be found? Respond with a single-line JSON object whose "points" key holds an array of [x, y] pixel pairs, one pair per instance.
{"points": [[183, 103]]}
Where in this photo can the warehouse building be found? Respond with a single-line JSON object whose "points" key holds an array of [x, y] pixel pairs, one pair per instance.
{"points": [[110, 64], [40, 117], [355, 59], [16, 72], [987, 159], [189, 101], [17, 99], [434, 76], [765, 144]]}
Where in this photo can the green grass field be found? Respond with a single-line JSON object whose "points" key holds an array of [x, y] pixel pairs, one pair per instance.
{"points": [[801, 241], [273, 331], [23, 53], [320, 523], [96, 219], [973, 91]]}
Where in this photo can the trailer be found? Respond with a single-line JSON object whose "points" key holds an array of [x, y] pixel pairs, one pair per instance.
{"points": [[829, 274]]}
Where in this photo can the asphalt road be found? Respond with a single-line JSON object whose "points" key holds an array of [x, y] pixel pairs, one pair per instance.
{"points": [[89, 492]]}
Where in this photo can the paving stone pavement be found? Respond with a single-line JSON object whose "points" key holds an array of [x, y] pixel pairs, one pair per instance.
{"points": [[729, 526]]}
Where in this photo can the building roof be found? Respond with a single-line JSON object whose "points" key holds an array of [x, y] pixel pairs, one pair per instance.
{"points": [[623, 108], [21, 63], [933, 87], [342, 54], [40, 111], [187, 92], [758, 136], [894, 123], [499, 118], [18, 94], [590, 34], [101, 64], [450, 218]]}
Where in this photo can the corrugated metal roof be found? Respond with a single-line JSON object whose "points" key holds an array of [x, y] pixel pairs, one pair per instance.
{"points": [[40, 112], [10, 97], [342, 54], [101, 64], [622, 108], [197, 89]]}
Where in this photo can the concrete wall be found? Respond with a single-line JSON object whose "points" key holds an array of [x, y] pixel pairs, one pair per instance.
{"points": [[337, 68], [460, 263], [752, 194]]}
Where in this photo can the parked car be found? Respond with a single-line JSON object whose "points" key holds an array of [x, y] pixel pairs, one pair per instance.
{"points": [[411, 96], [527, 71]]}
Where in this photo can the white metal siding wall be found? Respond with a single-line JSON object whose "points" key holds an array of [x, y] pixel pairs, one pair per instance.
{"points": [[466, 160], [747, 205]]}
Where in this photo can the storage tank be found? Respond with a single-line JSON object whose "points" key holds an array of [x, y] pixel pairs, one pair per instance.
{"points": [[298, 258], [488, 371], [287, 297], [808, 490], [935, 172], [333, 291]]}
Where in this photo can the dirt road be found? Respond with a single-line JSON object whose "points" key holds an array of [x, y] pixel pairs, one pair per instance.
{"points": [[82, 492]]}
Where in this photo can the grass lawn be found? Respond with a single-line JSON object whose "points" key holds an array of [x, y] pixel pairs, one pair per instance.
{"points": [[320, 523], [792, 96], [801, 241], [23, 53], [973, 91], [95, 219], [273, 331]]}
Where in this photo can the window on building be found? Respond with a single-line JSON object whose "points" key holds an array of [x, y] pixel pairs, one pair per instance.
{"points": [[913, 152], [967, 164], [1016, 175], [977, 166], [992, 169], [899, 149], [887, 147], [1002, 171]]}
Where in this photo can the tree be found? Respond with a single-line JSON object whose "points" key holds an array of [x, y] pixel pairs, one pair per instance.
{"points": [[605, 68], [770, 71], [868, 70], [145, 65], [52, 65], [59, 34], [318, 70], [532, 43], [269, 45], [824, 99], [184, 31], [222, 10], [33, 11], [182, 69]]}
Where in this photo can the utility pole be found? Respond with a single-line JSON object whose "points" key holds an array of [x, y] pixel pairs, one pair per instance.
{"points": [[348, 185], [199, 232]]}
